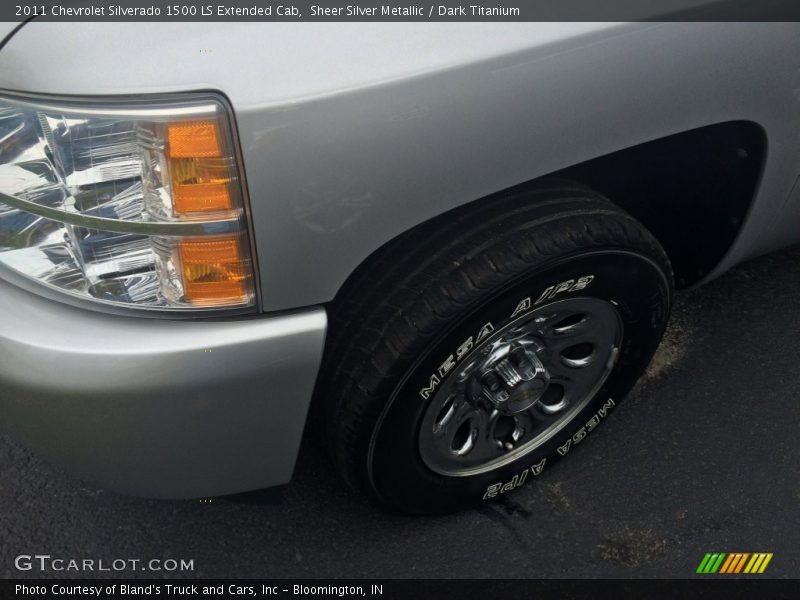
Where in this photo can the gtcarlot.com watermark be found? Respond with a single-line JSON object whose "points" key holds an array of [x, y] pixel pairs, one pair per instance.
{"points": [[48, 563]]}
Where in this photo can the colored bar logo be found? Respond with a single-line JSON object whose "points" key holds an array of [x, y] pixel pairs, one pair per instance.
{"points": [[734, 563]]}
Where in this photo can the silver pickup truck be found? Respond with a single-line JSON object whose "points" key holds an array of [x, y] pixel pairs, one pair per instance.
{"points": [[450, 247]]}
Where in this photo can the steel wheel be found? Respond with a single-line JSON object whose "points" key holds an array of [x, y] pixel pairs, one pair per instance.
{"points": [[520, 386]]}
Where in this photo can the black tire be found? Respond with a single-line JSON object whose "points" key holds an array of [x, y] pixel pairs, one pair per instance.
{"points": [[406, 311]]}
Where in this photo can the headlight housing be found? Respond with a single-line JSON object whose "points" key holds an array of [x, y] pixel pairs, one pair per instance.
{"points": [[138, 204]]}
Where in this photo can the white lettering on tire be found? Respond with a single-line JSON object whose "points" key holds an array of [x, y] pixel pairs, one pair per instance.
{"points": [[496, 489], [523, 306]]}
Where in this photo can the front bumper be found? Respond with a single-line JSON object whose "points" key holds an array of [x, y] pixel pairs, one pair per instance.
{"points": [[160, 408]]}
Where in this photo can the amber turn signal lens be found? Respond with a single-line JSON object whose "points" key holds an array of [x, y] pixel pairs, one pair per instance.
{"points": [[193, 139], [200, 174], [215, 271], [200, 185], [201, 197]]}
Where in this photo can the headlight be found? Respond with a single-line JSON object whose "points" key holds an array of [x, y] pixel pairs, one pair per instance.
{"points": [[138, 204]]}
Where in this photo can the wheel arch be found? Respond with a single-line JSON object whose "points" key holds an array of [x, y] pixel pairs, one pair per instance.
{"points": [[709, 174]]}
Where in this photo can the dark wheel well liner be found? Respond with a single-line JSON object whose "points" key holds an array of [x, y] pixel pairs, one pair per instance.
{"points": [[692, 190]]}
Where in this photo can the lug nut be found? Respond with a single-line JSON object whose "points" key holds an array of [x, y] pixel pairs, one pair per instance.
{"points": [[491, 381]]}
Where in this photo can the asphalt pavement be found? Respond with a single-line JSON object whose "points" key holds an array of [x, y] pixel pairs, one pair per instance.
{"points": [[702, 457]]}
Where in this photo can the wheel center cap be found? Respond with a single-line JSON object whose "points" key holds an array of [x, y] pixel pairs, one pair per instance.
{"points": [[513, 379]]}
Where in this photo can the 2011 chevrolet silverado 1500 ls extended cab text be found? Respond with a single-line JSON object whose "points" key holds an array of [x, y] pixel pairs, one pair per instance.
{"points": [[461, 239]]}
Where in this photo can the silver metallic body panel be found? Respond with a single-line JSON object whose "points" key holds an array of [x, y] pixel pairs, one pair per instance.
{"points": [[6, 28], [353, 133], [158, 408]]}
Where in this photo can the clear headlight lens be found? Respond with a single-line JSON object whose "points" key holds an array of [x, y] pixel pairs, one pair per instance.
{"points": [[138, 204]]}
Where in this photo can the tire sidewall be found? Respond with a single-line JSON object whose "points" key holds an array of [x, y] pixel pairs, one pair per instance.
{"points": [[634, 283]]}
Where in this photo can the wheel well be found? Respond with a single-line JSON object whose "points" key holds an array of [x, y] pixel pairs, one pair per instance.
{"points": [[692, 190]]}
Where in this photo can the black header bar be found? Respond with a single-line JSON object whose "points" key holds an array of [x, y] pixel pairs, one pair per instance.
{"points": [[400, 10]]}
